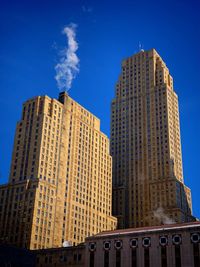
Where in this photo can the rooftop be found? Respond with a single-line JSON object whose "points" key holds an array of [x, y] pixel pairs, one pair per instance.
{"points": [[148, 229]]}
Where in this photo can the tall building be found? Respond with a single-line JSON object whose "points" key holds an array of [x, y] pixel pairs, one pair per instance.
{"points": [[148, 187], [60, 185]]}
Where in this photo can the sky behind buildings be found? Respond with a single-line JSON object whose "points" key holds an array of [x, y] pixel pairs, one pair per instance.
{"points": [[107, 32]]}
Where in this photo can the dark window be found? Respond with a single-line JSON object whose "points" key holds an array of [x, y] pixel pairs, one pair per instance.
{"points": [[163, 257], [134, 243], [106, 259], [79, 257], [134, 258], [146, 242], [146, 257], [75, 257], [118, 258], [91, 259], [107, 245], [118, 244], [196, 255], [163, 241], [195, 238], [177, 256]]}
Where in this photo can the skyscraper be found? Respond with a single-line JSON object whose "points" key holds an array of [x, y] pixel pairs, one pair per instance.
{"points": [[148, 186], [60, 185]]}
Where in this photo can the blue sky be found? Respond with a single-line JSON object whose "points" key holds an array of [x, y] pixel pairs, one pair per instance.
{"points": [[107, 32]]}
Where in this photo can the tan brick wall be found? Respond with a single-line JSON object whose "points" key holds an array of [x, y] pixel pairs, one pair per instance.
{"points": [[60, 150], [145, 144]]}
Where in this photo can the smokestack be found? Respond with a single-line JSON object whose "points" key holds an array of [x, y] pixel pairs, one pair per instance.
{"points": [[63, 97]]}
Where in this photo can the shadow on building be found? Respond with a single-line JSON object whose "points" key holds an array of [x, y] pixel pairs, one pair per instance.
{"points": [[16, 257]]}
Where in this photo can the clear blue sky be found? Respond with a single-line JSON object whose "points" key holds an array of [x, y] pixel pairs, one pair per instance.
{"points": [[107, 32]]}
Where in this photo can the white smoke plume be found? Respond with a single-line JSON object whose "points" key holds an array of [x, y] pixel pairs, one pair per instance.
{"points": [[159, 214], [68, 66]]}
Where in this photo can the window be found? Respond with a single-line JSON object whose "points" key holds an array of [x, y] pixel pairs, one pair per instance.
{"points": [[107, 245], [196, 255], [106, 258], [79, 257], [118, 244], [118, 258], [146, 257], [91, 259], [195, 238], [176, 239], [163, 241], [177, 256], [163, 257], [146, 242], [134, 257]]}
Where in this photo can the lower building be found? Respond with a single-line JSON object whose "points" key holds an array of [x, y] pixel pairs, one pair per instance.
{"points": [[174, 245], [11, 256], [62, 257]]}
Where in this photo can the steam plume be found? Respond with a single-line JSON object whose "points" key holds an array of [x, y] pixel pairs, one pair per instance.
{"points": [[68, 66], [159, 214]]}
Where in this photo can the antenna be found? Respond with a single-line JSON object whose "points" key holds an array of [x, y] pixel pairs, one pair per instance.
{"points": [[140, 46]]}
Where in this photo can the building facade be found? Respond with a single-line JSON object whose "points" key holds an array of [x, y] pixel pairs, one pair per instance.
{"points": [[175, 245], [60, 185], [61, 257], [148, 186]]}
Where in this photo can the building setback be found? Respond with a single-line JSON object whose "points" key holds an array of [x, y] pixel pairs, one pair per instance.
{"points": [[60, 185], [148, 186]]}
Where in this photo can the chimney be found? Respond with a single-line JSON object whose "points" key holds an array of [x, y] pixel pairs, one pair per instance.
{"points": [[63, 97]]}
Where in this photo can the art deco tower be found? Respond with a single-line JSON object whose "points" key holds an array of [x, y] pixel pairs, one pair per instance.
{"points": [[60, 186], [146, 146]]}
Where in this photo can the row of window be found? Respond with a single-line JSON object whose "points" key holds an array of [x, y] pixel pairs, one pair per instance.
{"points": [[146, 242]]}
